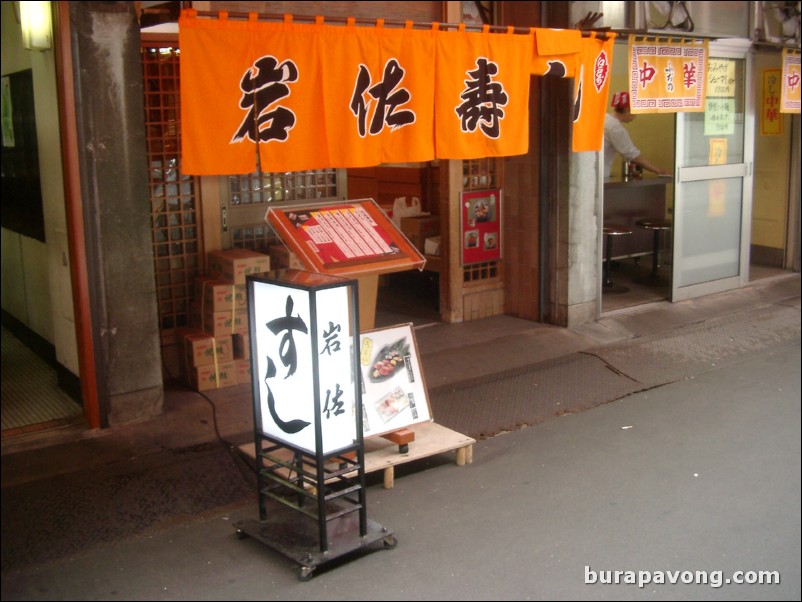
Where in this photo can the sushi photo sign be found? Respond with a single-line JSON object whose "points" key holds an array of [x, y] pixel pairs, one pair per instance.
{"points": [[393, 390]]}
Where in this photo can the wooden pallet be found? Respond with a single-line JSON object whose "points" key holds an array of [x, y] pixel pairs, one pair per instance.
{"points": [[430, 439]]}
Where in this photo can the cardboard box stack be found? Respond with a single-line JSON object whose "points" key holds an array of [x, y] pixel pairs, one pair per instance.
{"points": [[233, 265], [215, 351], [282, 258], [206, 362], [418, 229]]}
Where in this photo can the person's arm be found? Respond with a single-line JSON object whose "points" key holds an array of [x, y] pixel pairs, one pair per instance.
{"points": [[649, 166]]}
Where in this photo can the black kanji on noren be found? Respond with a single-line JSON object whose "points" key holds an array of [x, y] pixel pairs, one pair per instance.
{"points": [[387, 97], [482, 100], [262, 86]]}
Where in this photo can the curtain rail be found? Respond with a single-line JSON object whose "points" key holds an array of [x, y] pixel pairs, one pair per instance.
{"points": [[389, 22], [660, 33]]}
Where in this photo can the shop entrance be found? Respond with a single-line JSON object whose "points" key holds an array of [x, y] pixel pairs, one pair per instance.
{"points": [[636, 239], [714, 158], [637, 211], [409, 194], [719, 235]]}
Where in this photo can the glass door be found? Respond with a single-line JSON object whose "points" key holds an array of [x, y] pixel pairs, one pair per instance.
{"points": [[713, 187]]}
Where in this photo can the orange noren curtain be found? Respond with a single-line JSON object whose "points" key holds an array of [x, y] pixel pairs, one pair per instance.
{"points": [[591, 92], [482, 94], [556, 52], [214, 55], [309, 96]]}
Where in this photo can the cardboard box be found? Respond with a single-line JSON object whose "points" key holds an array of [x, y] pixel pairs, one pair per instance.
{"points": [[218, 323], [200, 349], [244, 374], [218, 295], [417, 229], [233, 265], [213, 377], [242, 346], [431, 246], [282, 258]]}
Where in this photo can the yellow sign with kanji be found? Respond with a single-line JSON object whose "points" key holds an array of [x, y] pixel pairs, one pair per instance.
{"points": [[770, 117], [667, 76], [790, 95], [721, 78], [718, 151]]}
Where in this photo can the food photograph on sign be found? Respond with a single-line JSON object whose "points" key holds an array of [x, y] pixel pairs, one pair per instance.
{"points": [[393, 390], [481, 226]]}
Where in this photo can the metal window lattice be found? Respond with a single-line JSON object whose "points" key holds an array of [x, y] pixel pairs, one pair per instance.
{"points": [[174, 212], [263, 188]]}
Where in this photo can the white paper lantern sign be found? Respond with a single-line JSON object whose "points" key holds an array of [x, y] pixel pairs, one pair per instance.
{"points": [[302, 328]]}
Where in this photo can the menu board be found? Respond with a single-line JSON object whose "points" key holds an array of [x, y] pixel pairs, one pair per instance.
{"points": [[344, 238], [393, 390]]}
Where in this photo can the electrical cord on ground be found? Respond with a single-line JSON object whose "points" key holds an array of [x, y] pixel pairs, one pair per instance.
{"points": [[228, 445]]}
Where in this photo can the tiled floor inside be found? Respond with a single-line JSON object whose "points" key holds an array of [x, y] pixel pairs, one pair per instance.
{"points": [[31, 398], [634, 286]]}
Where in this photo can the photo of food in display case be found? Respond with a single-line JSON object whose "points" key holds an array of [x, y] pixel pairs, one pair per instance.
{"points": [[484, 209]]}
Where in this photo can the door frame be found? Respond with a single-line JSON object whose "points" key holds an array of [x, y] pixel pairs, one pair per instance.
{"points": [[735, 49]]}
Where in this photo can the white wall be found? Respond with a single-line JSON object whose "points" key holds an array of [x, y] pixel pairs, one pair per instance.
{"points": [[36, 285]]}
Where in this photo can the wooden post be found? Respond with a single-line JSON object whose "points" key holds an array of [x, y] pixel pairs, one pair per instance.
{"points": [[368, 290]]}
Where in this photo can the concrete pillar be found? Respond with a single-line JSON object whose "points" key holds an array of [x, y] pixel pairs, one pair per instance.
{"points": [[584, 209], [116, 209]]}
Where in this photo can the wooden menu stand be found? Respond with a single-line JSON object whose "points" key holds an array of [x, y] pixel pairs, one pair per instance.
{"points": [[384, 247]]}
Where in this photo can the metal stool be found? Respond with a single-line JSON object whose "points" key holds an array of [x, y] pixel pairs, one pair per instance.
{"points": [[656, 226], [609, 232]]}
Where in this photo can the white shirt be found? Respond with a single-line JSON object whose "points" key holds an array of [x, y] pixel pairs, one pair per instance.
{"points": [[616, 140]]}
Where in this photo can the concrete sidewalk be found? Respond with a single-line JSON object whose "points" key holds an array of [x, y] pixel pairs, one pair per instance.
{"points": [[453, 357], [675, 493], [530, 375], [453, 353]]}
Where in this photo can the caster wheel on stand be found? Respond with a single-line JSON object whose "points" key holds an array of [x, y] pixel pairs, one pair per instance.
{"points": [[305, 573]]}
